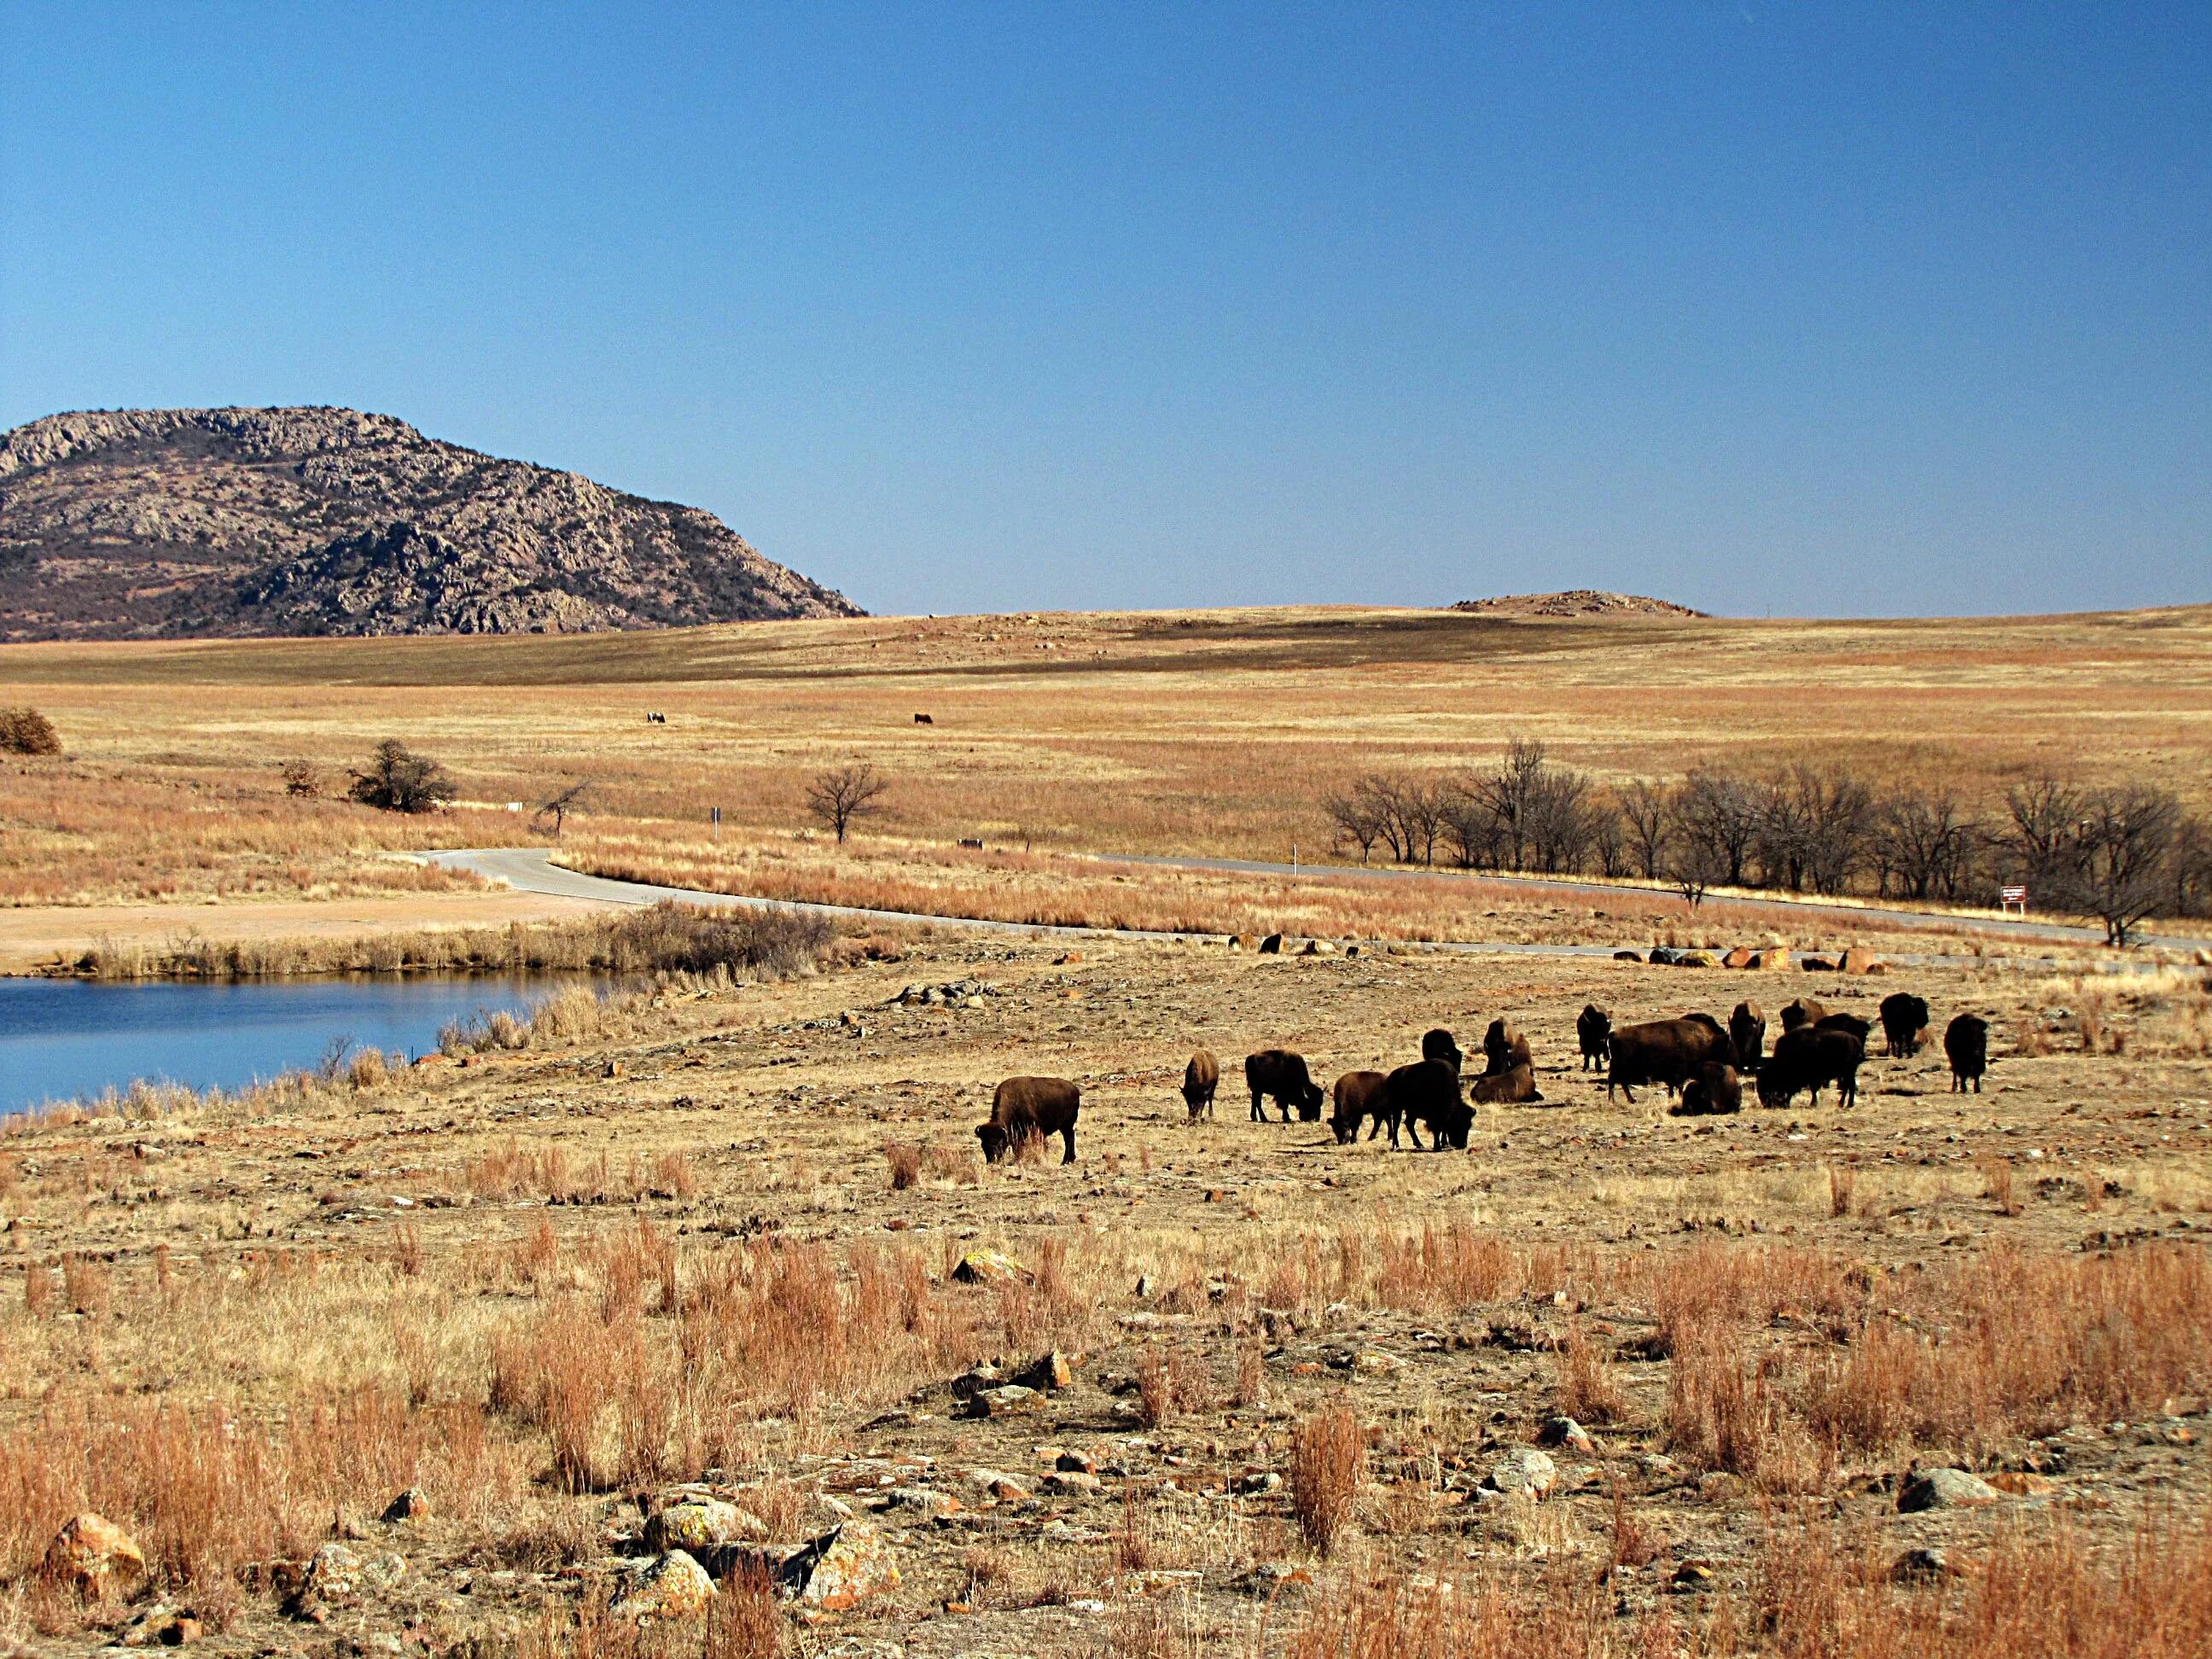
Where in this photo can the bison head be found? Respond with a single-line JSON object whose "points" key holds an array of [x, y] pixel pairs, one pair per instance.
{"points": [[994, 1141], [1309, 1103]]}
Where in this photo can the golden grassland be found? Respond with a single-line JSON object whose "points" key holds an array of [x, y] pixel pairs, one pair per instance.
{"points": [[705, 1231], [1216, 733]]}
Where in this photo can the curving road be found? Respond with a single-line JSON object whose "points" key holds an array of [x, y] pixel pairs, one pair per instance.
{"points": [[531, 870]]}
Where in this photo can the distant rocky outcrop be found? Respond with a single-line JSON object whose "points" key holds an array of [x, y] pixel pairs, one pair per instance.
{"points": [[1576, 601], [173, 523]]}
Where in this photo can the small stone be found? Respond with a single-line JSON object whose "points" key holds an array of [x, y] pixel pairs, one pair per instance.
{"points": [[1076, 1462], [94, 1557], [841, 1568], [928, 1500], [1566, 1431], [1252, 1485], [674, 1587], [1071, 1483], [1373, 1362], [1050, 1374], [1921, 1566], [333, 1575], [971, 1382], [1691, 1576], [409, 1505], [614, 1068], [1523, 1470], [1740, 958], [1943, 1489], [182, 1631], [1005, 1401]]}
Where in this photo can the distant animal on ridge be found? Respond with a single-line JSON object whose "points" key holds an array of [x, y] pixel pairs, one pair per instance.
{"points": [[1280, 1075], [1026, 1107], [1200, 1077]]}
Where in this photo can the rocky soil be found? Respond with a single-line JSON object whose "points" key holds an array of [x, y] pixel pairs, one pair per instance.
{"points": [[173, 523]]}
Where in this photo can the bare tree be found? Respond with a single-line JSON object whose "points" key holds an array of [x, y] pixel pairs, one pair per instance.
{"points": [[1719, 812], [2123, 852], [841, 797], [1647, 811], [398, 780], [1609, 838], [1356, 817], [561, 804], [2192, 866], [2046, 817], [1925, 839]]}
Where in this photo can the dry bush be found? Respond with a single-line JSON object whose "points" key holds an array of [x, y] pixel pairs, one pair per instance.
{"points": [[943, 1161], [1843, 1190], [745, 1621], [905, 1159], [1589, 1384], [38, 1289], [86, 1284], [1998, 1185], [1329, 1463], [1251, 1384], [674, 1177], [26, 731]]}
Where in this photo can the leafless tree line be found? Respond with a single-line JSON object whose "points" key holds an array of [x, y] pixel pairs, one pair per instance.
{"points": [[2121, 854]]}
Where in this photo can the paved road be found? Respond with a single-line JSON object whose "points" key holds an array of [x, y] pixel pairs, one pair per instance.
{"points": [[531, 870]]}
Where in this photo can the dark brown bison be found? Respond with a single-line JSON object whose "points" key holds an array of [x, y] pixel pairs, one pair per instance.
{"points": [[1812, 1057], [1851, 1022], [1667, 1051], [1023, 1106], [1904, 1024], [1427, 1092], [1502, 1049], [1802, 1012], [1747, 1031], [1278, 1074], [1716, 1089], [1360, 1095], [1200, 1080], [1966, 1044], [1593, 1030], [1440, 1044], [1506, 1088]]}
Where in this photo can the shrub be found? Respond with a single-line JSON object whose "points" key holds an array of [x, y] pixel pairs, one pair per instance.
{"points": [[1329, 1461], [397, 780], [26, 731]]}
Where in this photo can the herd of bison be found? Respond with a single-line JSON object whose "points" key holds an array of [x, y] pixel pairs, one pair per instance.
{"points": [[1696, 1059]]}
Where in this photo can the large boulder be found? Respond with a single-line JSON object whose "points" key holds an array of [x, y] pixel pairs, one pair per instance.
{"points": [[673, 1587], [94, 1557], [695, 1524], [1943, 1489], [841, 1568], [1524, 1471]]}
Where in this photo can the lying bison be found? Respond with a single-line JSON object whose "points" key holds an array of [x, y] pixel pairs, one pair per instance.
{"points": [[1200, 1080], [1716, 1089], [1440, 1044], [1667, 1051], [1747, 1031], [1360, 1095], [1502, 1049], [1812, 1057], [1025, 1107], [1966, 1045], [1278, 1074], [1904, 1024], [1593, 1030], [1802, 1011], [1426, 1093], [1509, 1088]]}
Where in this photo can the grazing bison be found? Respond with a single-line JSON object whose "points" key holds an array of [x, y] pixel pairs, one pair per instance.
{"points": [[1802, 1011], [1023, 1106], [1200, 1080], [1508, 1088], [1747, 1030], [1427, 1092], [1812, 1057], [1280, 1075], [1440, 1044], [1593, 1030], [1851, 1022], [1716, 1089], [1502, 1049], [1360, 1095], [1667, 1051], [1904, 1024], [1966, 1043]]}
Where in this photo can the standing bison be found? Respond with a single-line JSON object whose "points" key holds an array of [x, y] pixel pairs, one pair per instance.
{"points": [[1278, 1074], [1427, 1092], [1802, 1012], [1360, 1095], [1966, 1045], [1440, 1044], [1667, 1051], [1026, 1108], [1904, 1024], [1812, 1057], [1593, 1030], [1502, 1049], [1747, 1031], [1200, 1080]]}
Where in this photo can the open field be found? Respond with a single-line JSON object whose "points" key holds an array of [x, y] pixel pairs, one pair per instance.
{"points": [[1202, 733], [705, 1235]]}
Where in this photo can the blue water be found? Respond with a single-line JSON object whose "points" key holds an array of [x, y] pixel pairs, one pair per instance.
{"points": [[74, 1039]]}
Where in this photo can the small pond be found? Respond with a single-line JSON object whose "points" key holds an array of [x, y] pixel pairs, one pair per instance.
{"points": [[72, 1039]]}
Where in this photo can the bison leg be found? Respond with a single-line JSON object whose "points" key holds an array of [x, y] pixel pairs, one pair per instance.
{"points": [[1259, 1115], [1067, 1135]]}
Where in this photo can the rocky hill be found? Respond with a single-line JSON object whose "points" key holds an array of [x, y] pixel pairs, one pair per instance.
{"points": [[1575, 602], [172, 523]]}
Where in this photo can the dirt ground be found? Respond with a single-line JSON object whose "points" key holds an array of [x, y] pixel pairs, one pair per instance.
{"points": [[1212, 1286]]}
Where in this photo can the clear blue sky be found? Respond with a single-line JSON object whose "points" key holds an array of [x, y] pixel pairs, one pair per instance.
{"points": [[1814, 309]]}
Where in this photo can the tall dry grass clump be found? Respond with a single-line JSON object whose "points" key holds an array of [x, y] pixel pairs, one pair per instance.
{"points": [[26, 731], [1328, 1465]]}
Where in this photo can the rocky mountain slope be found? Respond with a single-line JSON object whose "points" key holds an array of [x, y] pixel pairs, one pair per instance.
{"points": [[173, 523], [1576, 601]]}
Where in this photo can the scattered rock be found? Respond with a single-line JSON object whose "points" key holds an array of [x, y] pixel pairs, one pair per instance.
{"points": [[1857, 961], [1524, 1470], [1628, 955], [1050, 1374], [614, 1068], [1076, 1462], [1772, 959], [1005, 1401], [1696, 959], [1740, 958], [334, 1575], [673, 1587], [693, 1525], [991, 1267], [1373, 1362], [969, 1383], [1943, 1489], [1253, 1485], [1071, 1483], [409, 1505], [841, 1568], [1817, 965], [94, 1557], [1566, 1431], [1921, 1566]]}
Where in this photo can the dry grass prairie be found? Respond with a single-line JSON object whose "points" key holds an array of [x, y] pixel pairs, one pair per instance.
{"points": [[702, 1241], [1206, 732]]}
